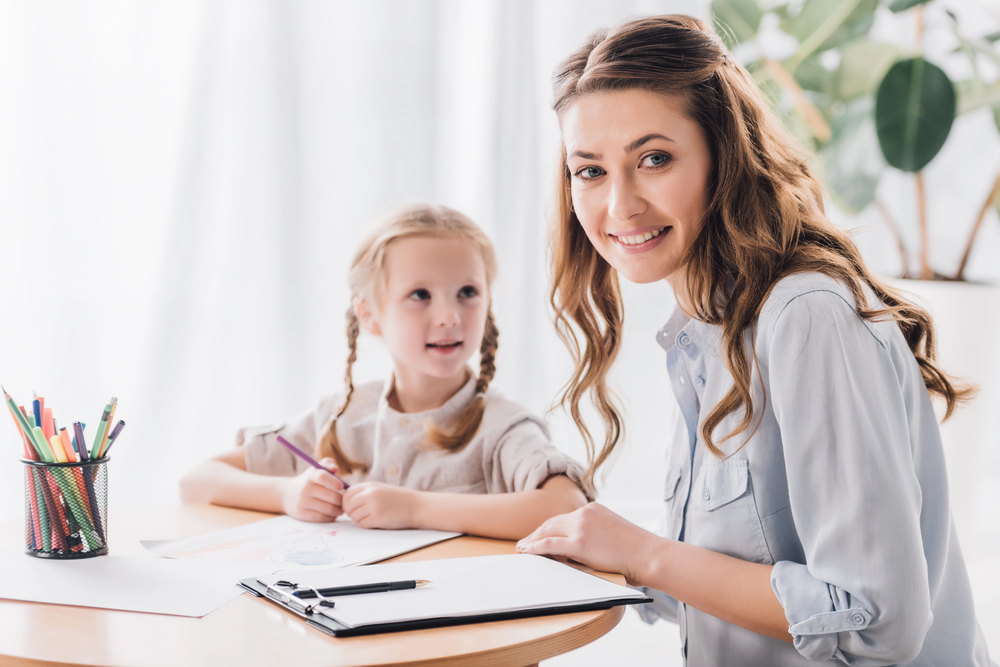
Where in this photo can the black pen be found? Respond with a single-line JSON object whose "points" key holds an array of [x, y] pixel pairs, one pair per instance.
{"points": [[359, 589]]}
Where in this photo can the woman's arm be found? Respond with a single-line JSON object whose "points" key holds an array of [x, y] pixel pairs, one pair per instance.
{"points": [[508, 516], [224, 480], [734, 590]]}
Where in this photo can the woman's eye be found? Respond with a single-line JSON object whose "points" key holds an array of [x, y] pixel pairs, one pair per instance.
{"points": [[420, 295], [656, 160], [589, 173], [467, 292]]}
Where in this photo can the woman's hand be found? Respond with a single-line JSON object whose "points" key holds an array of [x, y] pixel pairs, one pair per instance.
{"points": [[598, 538], [314, 495], [377, 505]]}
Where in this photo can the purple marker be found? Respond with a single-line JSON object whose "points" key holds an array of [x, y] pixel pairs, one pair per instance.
{"points": [[81, 444], [114, 435], [310, 460]]}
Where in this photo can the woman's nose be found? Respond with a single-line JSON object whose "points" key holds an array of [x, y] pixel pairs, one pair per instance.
{"points": [[624, 201]]}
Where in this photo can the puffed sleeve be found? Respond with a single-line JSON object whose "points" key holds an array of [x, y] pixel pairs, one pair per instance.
{"points": [[263, 453], [524, 457], [862, 595]]}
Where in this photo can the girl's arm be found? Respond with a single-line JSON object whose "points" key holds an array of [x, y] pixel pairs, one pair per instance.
{"points": [[734, 590], [224, 480], [508, 516]]}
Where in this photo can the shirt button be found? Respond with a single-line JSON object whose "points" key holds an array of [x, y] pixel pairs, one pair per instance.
{"points": [[858, 619], [683, 340], [699, 380], [393, 470], [707, 495], [403, 421]]}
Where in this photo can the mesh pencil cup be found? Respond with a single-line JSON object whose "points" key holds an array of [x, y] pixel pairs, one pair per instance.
{"points": [[66, 509]]}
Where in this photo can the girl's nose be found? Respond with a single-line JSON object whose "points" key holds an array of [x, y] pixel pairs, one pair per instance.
{"points": [[624, 200], [446, 315]]}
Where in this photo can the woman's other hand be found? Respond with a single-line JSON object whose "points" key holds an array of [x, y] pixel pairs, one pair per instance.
{"points": [[598, 538], [377, 505], [314, 495]]}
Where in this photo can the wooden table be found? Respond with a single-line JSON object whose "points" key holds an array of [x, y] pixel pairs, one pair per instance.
{"points": [[252, 631]]}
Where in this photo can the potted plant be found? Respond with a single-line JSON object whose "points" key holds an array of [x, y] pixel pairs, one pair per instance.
{"points": [[867, 106]]}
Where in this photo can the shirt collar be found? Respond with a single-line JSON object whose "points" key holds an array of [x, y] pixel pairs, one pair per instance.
{"points": [[681, 330], [441, 415]]}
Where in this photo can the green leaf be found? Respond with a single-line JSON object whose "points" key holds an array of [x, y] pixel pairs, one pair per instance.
{"points": [[824, 24], [736, 20], [973, 94], [897, 6], [992, 37], [862, 66], [851, 162], [811, 75], [996, 116], [914, 111]]}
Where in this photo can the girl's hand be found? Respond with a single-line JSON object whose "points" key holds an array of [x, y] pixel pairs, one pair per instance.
{"points": [[314, 495], [377, 505], [598, 538]]}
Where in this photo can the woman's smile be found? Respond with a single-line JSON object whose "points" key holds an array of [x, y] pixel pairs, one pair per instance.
{"points": [[640, 241]]}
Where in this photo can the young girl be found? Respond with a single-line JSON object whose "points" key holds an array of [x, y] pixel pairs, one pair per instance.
{"points": [[433, 446], [806, 496]]}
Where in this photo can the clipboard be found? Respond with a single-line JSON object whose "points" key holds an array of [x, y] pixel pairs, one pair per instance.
{"points": [[462, 591]]}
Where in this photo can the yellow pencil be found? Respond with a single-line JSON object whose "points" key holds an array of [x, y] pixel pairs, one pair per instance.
{"points": [[57, 449]]}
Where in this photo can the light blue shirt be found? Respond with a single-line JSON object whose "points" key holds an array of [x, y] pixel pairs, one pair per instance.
{"points": [[841, 486]]}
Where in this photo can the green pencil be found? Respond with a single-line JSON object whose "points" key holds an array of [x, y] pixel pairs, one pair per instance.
{"points": [[101, 429]]}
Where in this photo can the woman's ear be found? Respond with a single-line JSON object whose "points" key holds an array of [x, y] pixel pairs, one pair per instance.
{"points": [[366, 315]]}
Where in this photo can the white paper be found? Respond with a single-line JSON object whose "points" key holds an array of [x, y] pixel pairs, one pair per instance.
{"points": [[286, 543], [459, 587], [154, 585]]}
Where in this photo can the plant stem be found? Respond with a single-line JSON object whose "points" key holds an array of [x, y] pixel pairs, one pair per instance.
{"points": [[820, 128], [891, 223], [925, 265], [975, 228]]}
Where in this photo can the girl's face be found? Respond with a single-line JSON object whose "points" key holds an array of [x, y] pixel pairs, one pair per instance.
{"points": [[432, 311], [639, 170]]}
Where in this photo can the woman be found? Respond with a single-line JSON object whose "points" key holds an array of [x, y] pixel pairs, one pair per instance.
{"points": [[807, 506]]}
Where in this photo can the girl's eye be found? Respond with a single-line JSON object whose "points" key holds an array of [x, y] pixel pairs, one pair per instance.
{"points": [[656, 160], [467, 292], [420, 295], [589, 173]]}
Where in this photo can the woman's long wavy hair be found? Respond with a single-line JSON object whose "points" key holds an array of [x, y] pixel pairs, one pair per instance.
{"points": [[366, 279], [764, 221]]}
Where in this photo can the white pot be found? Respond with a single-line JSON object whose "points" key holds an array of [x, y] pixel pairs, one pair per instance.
{"points": [[967, 327]]}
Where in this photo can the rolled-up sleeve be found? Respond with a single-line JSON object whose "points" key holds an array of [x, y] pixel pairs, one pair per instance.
{"points": [[862, 595], [524, 457]]}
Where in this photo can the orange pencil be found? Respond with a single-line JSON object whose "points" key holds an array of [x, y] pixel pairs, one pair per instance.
{"points": [[47, 429], [68, 445]]}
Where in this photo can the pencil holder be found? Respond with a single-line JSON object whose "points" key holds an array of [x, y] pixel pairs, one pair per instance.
{"points": [[66, 509]]}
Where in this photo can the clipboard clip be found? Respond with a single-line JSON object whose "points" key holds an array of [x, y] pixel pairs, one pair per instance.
{"points": [[285, 591]]}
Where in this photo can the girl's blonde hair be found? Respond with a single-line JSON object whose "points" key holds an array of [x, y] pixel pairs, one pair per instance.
{"points": [[764, 221], [366, 280]]}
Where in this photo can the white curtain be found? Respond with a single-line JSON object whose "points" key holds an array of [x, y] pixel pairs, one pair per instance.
{"points": [[183, 183]]}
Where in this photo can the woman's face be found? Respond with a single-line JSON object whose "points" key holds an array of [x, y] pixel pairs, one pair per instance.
{"points": [[639, 169]]}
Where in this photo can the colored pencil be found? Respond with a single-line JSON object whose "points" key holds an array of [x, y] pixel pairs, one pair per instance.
{"points": [[111, 419], [68, 445], [102, 428]]}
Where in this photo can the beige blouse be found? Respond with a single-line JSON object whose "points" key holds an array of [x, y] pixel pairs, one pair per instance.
{"points": [[511, 451]]}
